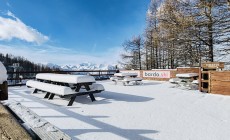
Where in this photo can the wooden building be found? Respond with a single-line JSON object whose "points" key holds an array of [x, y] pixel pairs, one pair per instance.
{"points": [[213, 79]]}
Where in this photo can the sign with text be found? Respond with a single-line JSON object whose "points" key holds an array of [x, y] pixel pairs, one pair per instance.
{"points": [[213, 65], [156, 74]]}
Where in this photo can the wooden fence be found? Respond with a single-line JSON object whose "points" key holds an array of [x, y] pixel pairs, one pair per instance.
{"points": [[219, 82]]}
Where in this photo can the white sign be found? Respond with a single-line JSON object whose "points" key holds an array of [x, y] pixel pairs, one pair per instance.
{"points": [[156, 74]]}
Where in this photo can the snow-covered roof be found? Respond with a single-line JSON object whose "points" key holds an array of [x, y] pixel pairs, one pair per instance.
{"points": [[65, 78], [3, 73]]}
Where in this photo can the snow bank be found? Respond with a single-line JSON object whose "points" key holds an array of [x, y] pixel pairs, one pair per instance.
{"points": [[65, 78], [3, 73]]}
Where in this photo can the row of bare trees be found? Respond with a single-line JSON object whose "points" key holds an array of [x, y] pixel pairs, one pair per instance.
{"points": [[180, 33], [23, 64]]}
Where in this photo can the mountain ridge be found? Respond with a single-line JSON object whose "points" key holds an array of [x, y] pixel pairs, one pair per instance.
{"points": [[83, 66]]}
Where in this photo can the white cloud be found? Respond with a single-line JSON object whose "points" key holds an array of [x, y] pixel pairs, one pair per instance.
{"points": [[61, 56], [12, 27]]}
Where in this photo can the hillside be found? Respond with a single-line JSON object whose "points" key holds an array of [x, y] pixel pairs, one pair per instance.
{"points": [[19, 63]]}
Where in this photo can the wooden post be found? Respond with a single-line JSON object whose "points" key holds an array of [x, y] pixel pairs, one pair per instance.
{"points": [[209, 82], [200, 78], [4, 91]]}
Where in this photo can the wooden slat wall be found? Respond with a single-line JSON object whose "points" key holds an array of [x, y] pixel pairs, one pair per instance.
{"points": [[173, 74], [220, 82]]}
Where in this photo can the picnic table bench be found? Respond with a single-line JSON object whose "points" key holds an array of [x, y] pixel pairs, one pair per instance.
{"points": [[187, 77], [66, 86], [185, 80], [126, 78]]}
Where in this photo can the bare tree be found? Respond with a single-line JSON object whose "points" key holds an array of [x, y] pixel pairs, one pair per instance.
{"points": [[152, 42], [213, 25], [182, 33], [133, 49]]}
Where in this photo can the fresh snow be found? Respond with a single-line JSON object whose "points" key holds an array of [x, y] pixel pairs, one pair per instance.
{"points": [[57, 89], [65, 78], [152, 111], [3, 75]]}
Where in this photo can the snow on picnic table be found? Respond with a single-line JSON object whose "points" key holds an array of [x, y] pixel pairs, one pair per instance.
{"points": [[152, 111]]}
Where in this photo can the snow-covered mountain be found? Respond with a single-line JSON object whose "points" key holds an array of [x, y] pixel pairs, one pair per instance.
{"points": [[53, 66], [84, 66]]}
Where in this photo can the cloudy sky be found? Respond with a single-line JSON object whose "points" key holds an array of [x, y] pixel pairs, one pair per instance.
{"points": [[69, 31]]}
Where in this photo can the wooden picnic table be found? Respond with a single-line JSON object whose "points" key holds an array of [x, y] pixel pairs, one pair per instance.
{"points": [[65, 85], [126, 78], [187, 77]]}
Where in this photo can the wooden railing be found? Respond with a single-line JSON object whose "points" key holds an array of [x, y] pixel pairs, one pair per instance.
{"points": [[19, 78]]}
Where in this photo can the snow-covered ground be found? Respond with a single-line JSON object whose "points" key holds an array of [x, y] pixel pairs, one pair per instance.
{"points": [[152, 111]]}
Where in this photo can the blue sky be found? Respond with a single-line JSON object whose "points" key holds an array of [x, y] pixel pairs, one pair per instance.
{"points": [[69, 31]]}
